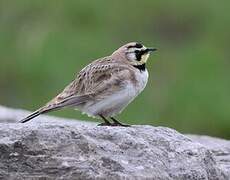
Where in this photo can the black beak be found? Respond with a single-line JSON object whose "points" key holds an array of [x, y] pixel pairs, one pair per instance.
{"points": [[151, 50]]}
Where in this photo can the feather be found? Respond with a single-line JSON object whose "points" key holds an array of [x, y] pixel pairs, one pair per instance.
{"points": [[68, 102]]}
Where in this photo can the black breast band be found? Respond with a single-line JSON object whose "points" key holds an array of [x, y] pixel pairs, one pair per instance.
{"points": [[140, 67]]}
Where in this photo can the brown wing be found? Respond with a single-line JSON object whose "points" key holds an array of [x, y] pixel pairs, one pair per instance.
{"points": [[85, 81], [100, 78], [103, 75]]}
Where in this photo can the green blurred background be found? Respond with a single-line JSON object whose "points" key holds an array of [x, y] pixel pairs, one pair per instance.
{"points": [[44, 43]]}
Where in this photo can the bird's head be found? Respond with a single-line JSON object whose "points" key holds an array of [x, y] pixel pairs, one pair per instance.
{"points": [[135, 53]]}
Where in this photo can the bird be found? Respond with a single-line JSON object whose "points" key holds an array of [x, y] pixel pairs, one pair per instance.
{"points": [[105, 87]]}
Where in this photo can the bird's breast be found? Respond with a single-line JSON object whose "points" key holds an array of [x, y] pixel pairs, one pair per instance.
{"points": [[114, 103], [141, 79]]}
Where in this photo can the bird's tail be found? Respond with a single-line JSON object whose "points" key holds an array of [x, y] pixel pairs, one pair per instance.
{"points": [[31, 116], [72, 101], [37, 113]]}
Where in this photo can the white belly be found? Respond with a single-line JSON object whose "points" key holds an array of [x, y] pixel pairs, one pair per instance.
{"points": [[115, 103]]}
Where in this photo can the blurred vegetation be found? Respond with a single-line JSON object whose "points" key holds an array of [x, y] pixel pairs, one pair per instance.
{"points": [[44, 43]]}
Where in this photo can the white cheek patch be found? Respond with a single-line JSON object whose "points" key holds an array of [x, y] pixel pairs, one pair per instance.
{"points": [[131, 56]]}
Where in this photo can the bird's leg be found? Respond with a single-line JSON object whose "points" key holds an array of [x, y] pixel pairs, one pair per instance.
{"points": [[106, 123], [117, 123]]}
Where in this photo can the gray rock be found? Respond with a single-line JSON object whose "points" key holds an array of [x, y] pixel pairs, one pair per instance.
{"points": [[220, 149], [54, 148]]}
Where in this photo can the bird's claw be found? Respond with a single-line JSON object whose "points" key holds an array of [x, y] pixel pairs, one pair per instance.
{"points": [[114, 124]]}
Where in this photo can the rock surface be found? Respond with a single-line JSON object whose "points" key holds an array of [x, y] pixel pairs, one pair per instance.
{"points": [[54, 148]]}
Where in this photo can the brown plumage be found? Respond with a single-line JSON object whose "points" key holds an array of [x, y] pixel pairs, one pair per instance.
{"points": [[97, 85]]}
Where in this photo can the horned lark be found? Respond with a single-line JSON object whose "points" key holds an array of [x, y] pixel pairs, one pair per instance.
{"points": [[106, 86]]}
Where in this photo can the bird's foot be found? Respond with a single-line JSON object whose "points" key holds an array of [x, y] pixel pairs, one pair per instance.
{"points": [[114, 124], [120, 124], [104, 124]]}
